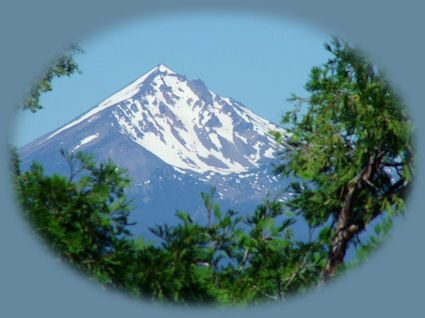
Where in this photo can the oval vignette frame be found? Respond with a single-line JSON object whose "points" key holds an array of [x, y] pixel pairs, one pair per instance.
{"points": [[34, 284]]}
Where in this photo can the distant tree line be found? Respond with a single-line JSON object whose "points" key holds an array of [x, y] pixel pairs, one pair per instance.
{"points": [[349, 156]]}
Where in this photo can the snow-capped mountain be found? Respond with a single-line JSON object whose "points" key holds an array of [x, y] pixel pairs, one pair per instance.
{"points": [[184, 124], [177, 138]]}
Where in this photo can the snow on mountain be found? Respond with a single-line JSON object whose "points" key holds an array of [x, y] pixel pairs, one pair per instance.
{"points": [[176, 138], [186, 125]]}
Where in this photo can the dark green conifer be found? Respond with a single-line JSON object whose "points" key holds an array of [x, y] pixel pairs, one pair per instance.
{"points": [[351, 151]]}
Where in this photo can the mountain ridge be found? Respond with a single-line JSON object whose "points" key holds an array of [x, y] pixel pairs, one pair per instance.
{"points": [[198, 107], [176, 138]]}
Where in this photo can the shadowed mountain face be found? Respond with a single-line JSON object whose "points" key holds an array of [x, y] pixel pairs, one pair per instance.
{"points": [[176, 138]]}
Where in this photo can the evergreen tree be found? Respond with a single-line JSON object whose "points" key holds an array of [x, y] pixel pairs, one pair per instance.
{"points": [[350, 157], [64, 65], [84, 220], [351, 152]]}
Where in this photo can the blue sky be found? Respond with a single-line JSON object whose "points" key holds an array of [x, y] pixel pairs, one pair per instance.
{"points": [[256, 60]]}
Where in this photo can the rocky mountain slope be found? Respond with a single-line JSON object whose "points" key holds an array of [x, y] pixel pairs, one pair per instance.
{"points": [[176, 138]]}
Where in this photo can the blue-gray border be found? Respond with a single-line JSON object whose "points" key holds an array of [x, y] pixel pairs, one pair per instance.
{"points": [[33, 284]]}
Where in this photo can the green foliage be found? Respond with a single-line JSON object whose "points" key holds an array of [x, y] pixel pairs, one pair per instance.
{"points": [[231, 260], [351, 154], [64, 65], [15, 162], [84, 221], [350, 160], [375, 241], [234, 259]]}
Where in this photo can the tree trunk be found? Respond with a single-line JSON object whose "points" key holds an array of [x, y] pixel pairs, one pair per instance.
{"points": [[338, 249], [348, 225]]}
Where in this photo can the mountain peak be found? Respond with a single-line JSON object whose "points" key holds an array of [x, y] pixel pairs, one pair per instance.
{"points": [[164, 69], [134, 86], [183, 123]]}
